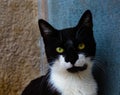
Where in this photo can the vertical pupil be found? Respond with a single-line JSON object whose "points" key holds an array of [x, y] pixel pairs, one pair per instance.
{"points": [[81, 45], [60, 49]]}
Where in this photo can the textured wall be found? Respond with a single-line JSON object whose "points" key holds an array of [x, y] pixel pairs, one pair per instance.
{"points": [[19, 45], [106, 17]]}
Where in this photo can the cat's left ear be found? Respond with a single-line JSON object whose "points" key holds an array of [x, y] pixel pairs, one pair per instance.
{"points": [[86, 19]]}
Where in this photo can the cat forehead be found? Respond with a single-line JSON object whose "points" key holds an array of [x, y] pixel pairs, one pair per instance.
{"points": [[68, 34], [69, 43]]}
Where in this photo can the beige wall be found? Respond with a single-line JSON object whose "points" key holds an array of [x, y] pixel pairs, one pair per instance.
{"points": [[19, 45]]}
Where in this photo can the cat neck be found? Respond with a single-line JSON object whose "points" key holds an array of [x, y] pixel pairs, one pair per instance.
{"points": [[66, 82]]}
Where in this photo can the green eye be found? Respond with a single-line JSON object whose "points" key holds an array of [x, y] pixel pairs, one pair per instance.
{"points": [[59, 50], [81, 46]]}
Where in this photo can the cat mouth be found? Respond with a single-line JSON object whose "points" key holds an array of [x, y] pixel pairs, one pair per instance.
{"points": [[77, 69]]}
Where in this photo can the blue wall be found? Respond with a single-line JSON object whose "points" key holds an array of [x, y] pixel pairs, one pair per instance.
{"points": [[106, 18]]}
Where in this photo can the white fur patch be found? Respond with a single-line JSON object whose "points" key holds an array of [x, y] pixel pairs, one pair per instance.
{"points": [[81, 60], [80, 83]]}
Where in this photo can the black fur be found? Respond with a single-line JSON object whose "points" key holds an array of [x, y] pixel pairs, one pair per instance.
{"points": [[40, 86], [69, 39]]}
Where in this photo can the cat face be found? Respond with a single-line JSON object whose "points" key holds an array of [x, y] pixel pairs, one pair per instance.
{"points": [[70, 49]]}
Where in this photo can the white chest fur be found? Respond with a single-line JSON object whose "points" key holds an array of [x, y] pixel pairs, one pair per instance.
{"points": [[74, 84], [80, 83]]}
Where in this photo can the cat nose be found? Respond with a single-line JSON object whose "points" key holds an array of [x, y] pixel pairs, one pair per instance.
{"points": [[72, 58]]}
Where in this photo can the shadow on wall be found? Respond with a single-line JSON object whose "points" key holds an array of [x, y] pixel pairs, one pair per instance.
{"points": [[66, 13]]}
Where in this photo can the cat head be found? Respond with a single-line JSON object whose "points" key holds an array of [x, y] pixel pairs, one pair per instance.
{"points": [[70, 49]]}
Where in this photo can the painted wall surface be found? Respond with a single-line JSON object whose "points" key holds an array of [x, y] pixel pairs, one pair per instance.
{"points": [[106, 18]]}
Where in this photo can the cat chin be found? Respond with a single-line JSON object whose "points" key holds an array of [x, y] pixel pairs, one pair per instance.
{"points": [[75, 69]]}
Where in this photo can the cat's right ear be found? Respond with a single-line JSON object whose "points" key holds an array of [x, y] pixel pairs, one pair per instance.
{"points": [[45, 28]]}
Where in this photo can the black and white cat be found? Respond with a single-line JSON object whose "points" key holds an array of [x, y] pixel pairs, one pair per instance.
{"points": [[69, 53]]}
